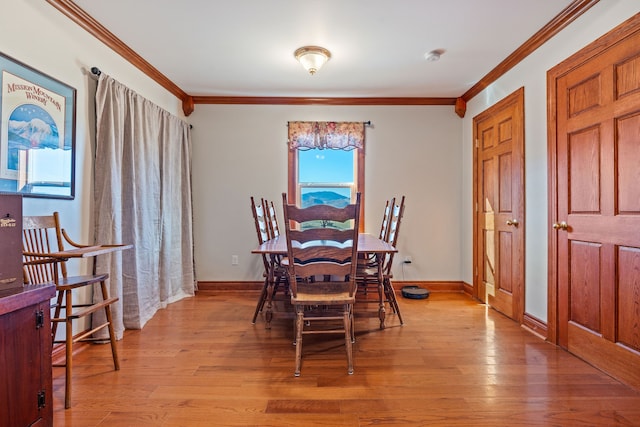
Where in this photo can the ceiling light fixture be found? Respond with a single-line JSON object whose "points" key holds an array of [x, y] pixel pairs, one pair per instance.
{"points": [[312, 58], [434, 55]]}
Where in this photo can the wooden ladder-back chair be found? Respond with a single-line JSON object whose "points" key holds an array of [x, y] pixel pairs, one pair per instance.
{"points": [[42, 235], [263, 230], [322, 249], [397, 212], [367, 274], [384, 226], [272, 218], [370, 260], [274, 231]]}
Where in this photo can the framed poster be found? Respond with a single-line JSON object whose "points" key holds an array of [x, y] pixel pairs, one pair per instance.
{"points": [[37, 132]]}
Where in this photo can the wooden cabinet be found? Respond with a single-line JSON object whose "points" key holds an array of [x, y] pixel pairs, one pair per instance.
{"points": [[25, 356]]}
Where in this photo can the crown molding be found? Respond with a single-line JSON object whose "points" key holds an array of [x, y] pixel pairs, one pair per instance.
{"points": [[562, 20], [283, 100], [80, 17], [84, 20]]}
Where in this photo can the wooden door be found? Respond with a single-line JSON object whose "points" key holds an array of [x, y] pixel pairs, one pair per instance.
{"points": [[499, 204], [595, 145]]}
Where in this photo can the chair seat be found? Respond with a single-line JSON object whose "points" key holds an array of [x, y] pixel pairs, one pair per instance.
{"points": [[323, 293], [367, 271], [67, 283]]}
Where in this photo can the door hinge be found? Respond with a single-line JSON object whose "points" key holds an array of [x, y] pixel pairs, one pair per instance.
{"points": [[42, 399], [39, 319], [477, 143]]}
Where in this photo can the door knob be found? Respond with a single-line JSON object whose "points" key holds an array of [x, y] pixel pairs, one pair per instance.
{"points": [[562, 225], [513, 222]]}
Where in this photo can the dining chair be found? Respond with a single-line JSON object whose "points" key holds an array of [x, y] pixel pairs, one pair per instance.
{"points": [[367, 274], [322, 249], [370, 260], [397, 213], [43, 236], [261, 222], [384, 226], [272, 218]]}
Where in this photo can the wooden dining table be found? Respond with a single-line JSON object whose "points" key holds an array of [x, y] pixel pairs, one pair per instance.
{"points": [[276, 248]]}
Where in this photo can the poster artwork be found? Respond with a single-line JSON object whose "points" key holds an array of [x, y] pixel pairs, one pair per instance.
{"points": [[34, 133]]}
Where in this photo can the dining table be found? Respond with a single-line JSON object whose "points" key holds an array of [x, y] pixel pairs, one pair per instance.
{"points": [[368, 244]]}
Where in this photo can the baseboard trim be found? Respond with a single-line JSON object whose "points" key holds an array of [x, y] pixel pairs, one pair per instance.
{"points": [[433, 286], [229, 286], [467, 288], [535, 326], [59, 353]]}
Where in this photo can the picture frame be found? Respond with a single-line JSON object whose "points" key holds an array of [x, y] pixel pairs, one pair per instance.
{"points": [[37, 132]]}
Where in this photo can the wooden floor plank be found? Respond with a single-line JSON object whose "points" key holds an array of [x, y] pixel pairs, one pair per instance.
{"points": [[201, 362]]}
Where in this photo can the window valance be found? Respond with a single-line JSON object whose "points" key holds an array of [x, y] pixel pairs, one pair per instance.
{"points": [[326, 135]]}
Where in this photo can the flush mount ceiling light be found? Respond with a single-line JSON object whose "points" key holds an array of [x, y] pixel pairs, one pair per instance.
{"points": [[312, 58], [434, 55]]}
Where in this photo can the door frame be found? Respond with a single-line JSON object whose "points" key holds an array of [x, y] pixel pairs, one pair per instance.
{"points": [[515, 97], [624, 30]]}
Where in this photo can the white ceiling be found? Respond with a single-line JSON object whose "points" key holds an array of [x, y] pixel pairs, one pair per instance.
{"points": [[245, 47]]}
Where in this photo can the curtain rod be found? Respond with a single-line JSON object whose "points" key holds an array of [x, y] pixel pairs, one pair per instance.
{"points": [[96, 72], [367, 123]]}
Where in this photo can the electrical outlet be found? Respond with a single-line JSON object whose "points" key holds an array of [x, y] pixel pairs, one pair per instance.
{"points": [[408, 260], [234, 259]]}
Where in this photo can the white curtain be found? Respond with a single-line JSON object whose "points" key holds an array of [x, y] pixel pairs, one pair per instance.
{"points": [[142, 197]]}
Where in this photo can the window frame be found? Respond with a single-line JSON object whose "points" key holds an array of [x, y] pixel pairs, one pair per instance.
{"points": [[293, 196]]}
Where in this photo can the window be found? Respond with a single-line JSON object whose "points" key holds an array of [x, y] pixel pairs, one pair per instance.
{"points": [[321, 174], [326, 177]]}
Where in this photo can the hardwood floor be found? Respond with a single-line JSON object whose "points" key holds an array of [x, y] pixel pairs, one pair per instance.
{"points": [[201, 362]]}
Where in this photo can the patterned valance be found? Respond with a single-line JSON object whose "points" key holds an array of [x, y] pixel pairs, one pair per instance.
{"points": [[321, 135]]}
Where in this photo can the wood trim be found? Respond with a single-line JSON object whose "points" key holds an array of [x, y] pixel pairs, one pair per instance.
{"points": [[434, 286], [557, 24], [474, 213], [552, 211], [461, 107], [360, 183], [622, 31], [283, 100], [613, 358], [80, 17], [535, 326], [84, 20], [514, 102], [292, 175], [208, 285], [59, 353], [626, 29], [467, 289], [292, 179]]}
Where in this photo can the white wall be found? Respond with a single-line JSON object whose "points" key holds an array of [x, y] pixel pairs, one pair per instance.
{"points": [[422, 152], [241, 151], [38, 35], [531, 73]]}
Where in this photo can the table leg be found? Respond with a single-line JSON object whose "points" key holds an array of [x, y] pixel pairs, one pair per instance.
{"points": [[381, 309], [270, 287]]}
